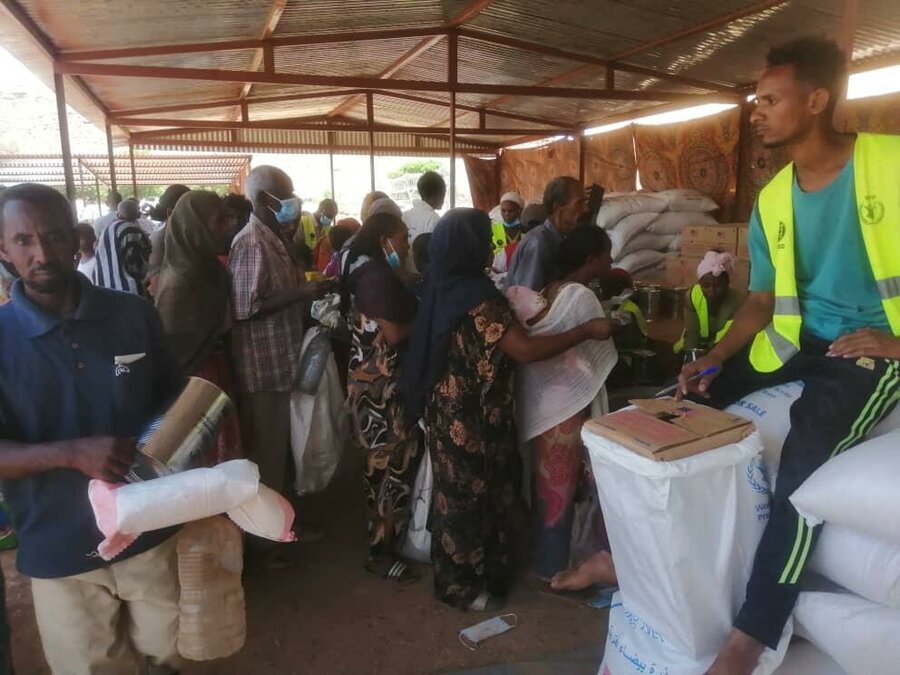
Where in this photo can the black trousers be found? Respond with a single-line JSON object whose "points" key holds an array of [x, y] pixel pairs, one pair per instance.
{"points": [[842, 400]]}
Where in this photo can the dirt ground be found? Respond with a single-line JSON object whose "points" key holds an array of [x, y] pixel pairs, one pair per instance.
{"points": [[328, 615]]}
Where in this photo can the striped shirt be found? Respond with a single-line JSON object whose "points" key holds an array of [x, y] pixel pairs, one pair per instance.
{"points": [[266, 348], [122, 258]]}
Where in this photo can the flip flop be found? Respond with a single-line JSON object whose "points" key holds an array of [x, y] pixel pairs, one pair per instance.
{"points": [[392, 569]]}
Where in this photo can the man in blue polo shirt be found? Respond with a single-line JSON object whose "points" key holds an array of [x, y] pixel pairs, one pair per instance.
{"points": [[69, 412]]}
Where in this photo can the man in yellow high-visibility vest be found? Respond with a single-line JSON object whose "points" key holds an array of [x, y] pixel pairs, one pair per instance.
{"points": [[824, 307]]}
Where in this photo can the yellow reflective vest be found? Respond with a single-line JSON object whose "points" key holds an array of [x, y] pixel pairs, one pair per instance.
{"points": [[876, 170], [308, 228], [498, 237], [698, 300]]}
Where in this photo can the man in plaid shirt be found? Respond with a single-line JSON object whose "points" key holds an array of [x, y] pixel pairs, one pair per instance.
{"points": [[269, 297]]}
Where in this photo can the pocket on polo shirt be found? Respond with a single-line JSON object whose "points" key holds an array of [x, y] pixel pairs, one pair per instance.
{"points": [[131, 379]]}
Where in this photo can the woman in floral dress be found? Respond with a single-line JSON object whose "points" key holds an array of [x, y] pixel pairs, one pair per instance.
{"points": [[459, 376], [382, 313]]}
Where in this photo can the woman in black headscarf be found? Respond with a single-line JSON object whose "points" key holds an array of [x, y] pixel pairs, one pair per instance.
{"points": [[458, 375]]}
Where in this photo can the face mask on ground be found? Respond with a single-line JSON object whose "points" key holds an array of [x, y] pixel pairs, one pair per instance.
{"points": [[392, 258], [289, 211]]}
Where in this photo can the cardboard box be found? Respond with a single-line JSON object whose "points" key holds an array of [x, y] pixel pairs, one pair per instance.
{"points": [[664, 429], [681, 270]]}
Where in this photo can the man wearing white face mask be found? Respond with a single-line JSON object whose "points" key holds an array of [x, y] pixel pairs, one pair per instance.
{"points": [[268, 302]]}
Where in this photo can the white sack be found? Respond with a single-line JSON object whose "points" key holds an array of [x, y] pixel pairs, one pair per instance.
{"points": [[675, 244], [417, 544], [769, 410], [868, 567], [858, 489], [646, 241], [683, 534], [687, 200], [627, 229], [673, 222], [615, 208], [640, 260], [320, 429], [636, 646], [804, 658], [859, 635]]}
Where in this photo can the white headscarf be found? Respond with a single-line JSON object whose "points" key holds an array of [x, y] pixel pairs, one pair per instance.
{"points": [[513, 197], [715, 263]]}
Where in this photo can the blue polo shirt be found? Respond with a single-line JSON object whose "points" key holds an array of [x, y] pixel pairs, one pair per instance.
{"points": [[58, 381]]}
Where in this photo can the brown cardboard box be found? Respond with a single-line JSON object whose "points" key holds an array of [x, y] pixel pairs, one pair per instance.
{"points": [[663, 429], [681, 270], [694, 249], [741, 277]]}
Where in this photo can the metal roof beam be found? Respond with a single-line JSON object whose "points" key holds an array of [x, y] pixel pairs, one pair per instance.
{"points": [[182, 125], [265, 55], [256, 43], [109, 70], [578, 57], [471, 108], [467, 13], [223, 103], [341, 149]]}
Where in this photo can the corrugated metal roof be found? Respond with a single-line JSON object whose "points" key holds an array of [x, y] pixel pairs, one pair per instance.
{"points": [[149, 169], [730, 54]]}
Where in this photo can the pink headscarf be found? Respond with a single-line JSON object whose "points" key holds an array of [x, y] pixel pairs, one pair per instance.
{"points": [[715, 263]]}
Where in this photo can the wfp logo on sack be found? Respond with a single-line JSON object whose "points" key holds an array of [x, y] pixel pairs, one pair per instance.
{"points": [[757, 478]]}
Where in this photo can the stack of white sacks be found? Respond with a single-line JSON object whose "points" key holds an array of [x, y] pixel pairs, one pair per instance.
{"points": [[850, 622], [644, 226]]}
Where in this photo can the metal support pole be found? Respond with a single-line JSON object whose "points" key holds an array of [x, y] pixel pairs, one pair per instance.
{"points": [[134, 191], [112, 158], [370, 117], [847, 39], [331, 173], [452, 66], [581, 152], [81, 180], [59, 86], [99, 199]]}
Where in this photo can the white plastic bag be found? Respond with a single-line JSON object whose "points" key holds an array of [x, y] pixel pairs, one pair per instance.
{"points": [[686, 199], [616, 207], [859, 635], [673, 222], [636, 646], [858, 489], [628, 229], [804, 658], [860, 563], [320, 429], [683, 534], [417, 545]]}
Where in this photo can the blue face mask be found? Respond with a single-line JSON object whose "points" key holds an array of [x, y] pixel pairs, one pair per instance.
{"points": [[512, 224], [325, 221], [392, 258], [289, 211]]}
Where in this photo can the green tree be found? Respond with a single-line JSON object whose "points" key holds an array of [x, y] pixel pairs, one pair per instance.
{"points": [[416, 166]]}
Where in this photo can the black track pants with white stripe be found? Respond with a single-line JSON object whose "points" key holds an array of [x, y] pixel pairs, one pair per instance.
{"points": [[842, 400]]}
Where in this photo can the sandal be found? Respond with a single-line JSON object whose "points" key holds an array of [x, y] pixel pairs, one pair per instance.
{"points": [[392, 569], [485, 602]]}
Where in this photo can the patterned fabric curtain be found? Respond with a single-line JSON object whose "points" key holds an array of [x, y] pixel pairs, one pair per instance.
{"points": [[528, 171], [877, 114], [609, 160], [699, 154], [482, 182]]}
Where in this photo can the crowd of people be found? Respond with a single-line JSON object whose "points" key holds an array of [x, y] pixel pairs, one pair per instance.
{"points": [[480, 345]]}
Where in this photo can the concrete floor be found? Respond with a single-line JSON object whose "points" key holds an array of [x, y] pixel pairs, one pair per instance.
{"points": [[328, 615]]}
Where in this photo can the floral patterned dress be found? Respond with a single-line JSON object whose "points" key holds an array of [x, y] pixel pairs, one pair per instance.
{"points": [[392, 449], [475, 460]]}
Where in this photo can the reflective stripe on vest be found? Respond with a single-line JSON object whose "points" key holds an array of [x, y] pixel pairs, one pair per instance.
{"points": [[498, 237], [876, 169], [698, 300]]}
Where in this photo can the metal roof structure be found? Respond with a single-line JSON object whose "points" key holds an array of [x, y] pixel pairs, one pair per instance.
{"points": [[411, 76], [211, 170]]}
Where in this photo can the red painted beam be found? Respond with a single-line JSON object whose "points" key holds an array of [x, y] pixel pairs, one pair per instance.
{"points": [[109, 70]]}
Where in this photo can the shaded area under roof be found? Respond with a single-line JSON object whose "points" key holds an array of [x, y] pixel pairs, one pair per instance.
{"points": [[292, 74]]}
